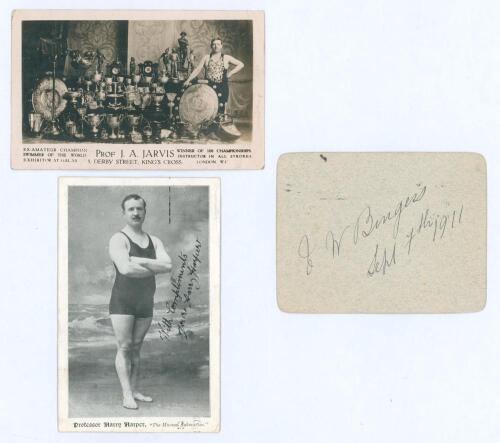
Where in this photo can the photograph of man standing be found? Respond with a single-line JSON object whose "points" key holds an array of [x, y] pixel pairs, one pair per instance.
{"points": [[137, 257]]}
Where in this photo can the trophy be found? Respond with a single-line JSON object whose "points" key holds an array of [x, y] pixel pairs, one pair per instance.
{"points": [[70, 128], [94, 120], [53, 49], [35, 121], [81, 112], [148, 132], [146, 68], [73, 96], [183, 48], [156, 131], [88, 84], [145, 100], [115, 69], [134, 121], [130, 99], [170, 104], [164, 78], [174, 59], [113, 122], [131, 69], [115, 100], [101, 97], [137, 78], [157, 99], [88, 94]]}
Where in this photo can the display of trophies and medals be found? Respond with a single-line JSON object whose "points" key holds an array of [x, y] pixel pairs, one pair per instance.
{"points": [[147, 104]]}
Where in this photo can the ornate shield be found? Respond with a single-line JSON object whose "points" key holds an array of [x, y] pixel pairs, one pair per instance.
{"points": [[198, 105], [42, 97]]}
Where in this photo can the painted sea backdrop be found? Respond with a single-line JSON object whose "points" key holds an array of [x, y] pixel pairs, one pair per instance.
{"points": [[174, 370], [175, 354]]}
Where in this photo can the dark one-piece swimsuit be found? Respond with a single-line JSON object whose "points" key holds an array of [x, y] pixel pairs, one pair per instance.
{"points": [[134, 296]]}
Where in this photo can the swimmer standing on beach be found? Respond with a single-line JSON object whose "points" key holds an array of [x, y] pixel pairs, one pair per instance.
{"points": [[137, 257]]}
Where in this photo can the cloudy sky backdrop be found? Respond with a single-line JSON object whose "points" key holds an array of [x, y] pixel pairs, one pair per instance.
{"points": [[94, 215]]}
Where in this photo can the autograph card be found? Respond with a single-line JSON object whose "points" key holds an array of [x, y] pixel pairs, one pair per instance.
{"points": [[381, 232]]}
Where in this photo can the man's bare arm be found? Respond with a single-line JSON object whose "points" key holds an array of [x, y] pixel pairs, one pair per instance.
{"points": [[119, 254], [161, 264], [196, 71], [238, 65]]}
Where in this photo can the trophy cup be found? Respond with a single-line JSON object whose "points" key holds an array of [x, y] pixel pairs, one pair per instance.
{"points": [[88, 84], [157, 99], [130, 99], [156, 131], [101, 97], [113, 122], [164, 78], [70, 127], [137, 79], [35, 121], [73, 96], [148, 132], [134, 121], [94, 120], [145, 100], [170, 104], [97, 77], [137, 99], [81, 112]]}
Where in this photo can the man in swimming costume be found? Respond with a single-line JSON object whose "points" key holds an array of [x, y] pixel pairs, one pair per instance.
{"points": [[137, 257], [216, 66]]}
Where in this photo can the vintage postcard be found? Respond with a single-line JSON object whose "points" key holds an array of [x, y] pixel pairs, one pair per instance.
{"points": [[138, 305], [118, 89], [381, 232]]}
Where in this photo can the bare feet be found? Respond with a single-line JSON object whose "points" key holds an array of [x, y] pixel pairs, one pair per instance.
{"points": [[145, 398], [129, 403]]}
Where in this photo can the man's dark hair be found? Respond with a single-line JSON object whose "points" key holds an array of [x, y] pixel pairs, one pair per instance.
{"points": [[132, 197], [216, 38]]}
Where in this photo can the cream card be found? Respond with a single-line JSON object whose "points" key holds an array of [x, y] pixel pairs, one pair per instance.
{"points": [[128, 89], [381, 232], [170, 314]]}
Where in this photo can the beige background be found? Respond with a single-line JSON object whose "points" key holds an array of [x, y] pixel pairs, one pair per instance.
{"points": [[323, 194]]}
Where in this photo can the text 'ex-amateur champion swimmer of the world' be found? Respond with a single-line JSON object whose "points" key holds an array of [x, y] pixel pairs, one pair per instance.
{"points": [[137, 257]]}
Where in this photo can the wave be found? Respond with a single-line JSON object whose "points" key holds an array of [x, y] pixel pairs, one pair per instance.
{"points": [[90, 325]]}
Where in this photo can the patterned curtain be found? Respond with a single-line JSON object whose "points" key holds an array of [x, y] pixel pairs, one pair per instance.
{"points": [[148, 39]]}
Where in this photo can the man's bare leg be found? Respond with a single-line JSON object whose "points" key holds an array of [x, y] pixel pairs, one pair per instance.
{"points": [[141, 328], [123, 325]]}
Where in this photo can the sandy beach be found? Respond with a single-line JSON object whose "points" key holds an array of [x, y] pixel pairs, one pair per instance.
{"points": [[174, 372]]}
